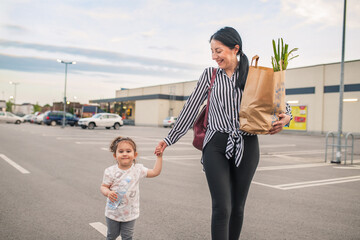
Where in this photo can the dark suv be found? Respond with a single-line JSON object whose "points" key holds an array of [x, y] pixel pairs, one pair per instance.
{"points": [[56, 117]]}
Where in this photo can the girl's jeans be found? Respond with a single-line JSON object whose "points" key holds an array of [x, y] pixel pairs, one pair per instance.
{"points": [[115, 228]]}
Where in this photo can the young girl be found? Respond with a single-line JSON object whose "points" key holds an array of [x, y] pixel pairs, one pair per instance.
{"points": [[121, 187]]}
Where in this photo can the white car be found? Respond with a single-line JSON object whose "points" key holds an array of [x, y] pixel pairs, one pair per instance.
{"points": [[9, 117], [169, 122], [106, 120], [39, 119]]}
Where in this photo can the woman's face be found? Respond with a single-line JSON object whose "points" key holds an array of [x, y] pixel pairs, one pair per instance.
{"points": [[223, 55]]}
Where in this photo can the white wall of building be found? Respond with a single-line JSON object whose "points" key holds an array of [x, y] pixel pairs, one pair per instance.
{"points": [[322, 106]]}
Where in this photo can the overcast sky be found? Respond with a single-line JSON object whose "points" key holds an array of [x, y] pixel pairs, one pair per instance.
{"points": [[129, 44]]}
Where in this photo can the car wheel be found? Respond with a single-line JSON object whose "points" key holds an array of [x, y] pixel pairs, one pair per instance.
{"points": [[107, 127], [172, 125], [53, 123], [91, 125], [71, 124], [165, 126], [117, 126], [83, 127], [17, 122]]}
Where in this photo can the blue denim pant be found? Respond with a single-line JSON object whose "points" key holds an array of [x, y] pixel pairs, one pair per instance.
{"points": [[115, 228]]}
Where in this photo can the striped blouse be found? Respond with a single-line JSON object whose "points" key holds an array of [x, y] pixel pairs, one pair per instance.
{"points": [[223, 113]]}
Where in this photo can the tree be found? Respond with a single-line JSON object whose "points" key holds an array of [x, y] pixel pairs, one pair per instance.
{"points": [[9, 106], [37, 108]]}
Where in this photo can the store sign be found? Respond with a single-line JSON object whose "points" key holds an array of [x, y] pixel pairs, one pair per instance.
{"points": [[299, 118]]}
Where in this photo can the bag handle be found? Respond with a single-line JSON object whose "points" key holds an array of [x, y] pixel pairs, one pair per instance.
{"points": [[256, 58], [208, 100]]}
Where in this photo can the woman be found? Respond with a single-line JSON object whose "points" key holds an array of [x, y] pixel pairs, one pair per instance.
{"points": [[230, 156]]}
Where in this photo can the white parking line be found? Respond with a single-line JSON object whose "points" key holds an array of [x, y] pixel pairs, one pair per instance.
{"points": [[311, 183], [98, 143], [307, 152], [309, 165], [82, 138], [14, 164], [277, 145], [176, 160], [101, 228], [152, 149], [173, 158]]}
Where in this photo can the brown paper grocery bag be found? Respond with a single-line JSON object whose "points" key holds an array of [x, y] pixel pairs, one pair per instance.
{"points": [[263, 99]]}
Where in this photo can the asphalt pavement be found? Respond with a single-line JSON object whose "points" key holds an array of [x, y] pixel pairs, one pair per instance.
{"points": [[50, 187]]}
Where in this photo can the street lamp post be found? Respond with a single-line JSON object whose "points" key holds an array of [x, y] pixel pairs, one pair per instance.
{"points": [[341, 92], [66, 63], [15, 84]]}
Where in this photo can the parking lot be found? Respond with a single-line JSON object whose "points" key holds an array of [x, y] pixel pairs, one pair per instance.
{"points": [[50, 187]]}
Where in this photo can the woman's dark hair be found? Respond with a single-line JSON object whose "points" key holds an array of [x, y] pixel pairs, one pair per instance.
{"points": [[230, 38]]}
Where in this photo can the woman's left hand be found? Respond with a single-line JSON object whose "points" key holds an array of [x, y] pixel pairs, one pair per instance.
{"points": [[278, 126]]}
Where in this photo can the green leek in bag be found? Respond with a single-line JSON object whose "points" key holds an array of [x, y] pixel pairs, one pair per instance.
{"points": [[281, 56]]}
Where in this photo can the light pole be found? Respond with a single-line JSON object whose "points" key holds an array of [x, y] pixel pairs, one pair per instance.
{"points": [[341, 92], [15, 84], [66, 63]]}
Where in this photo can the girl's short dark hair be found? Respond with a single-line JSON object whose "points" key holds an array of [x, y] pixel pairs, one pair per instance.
{"points": [[116, 141], [230, 38]]}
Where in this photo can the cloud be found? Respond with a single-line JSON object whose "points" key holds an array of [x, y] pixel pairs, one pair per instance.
{"points": [[99, 54], [41, 65], [15, 28], [314, 11]]}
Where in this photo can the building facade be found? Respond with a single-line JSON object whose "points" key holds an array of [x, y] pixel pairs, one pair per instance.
{"points": [[312, 91]]}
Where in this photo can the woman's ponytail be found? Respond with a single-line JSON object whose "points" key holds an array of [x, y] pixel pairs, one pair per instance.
{"points": [[243, 70]]}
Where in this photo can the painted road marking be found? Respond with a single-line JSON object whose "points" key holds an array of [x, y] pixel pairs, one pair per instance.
{"points": [[349, 167], [14, 164], [270, 168], [82, 138], [277, 145], [173, 158], [101, 228], [103, 143], [311, 183], [153, 148], [307, 152], [176, 160]]}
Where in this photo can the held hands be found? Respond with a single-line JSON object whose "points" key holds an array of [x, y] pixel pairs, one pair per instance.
{"points": [[160, 148], [278, 126], [112, 196]]}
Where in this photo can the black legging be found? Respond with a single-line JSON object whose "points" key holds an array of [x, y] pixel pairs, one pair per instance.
{"points": [[228, 184]]}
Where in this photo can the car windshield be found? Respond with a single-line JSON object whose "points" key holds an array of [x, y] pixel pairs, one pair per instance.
{"points": [[168, 118], [97, 116]]}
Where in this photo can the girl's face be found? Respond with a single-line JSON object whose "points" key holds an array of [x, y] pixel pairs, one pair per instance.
{"points": [[223, 55], [125, 155]]}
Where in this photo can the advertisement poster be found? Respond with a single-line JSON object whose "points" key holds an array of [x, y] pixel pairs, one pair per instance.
{"points": [[299, 118]]}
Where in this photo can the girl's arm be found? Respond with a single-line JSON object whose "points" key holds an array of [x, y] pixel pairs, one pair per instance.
{"points": [[157, 167], [105, 190]]}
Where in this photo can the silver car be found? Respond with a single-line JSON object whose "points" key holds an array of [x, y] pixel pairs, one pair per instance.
{"points": [[106, 120], [169, 122], [8, 117]]}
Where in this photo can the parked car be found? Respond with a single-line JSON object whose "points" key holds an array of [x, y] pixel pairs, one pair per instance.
{"points": [[33, 118], [27, 118], [39, 119], [9, 117], [106, 120], [56, 117], [169, 122]]}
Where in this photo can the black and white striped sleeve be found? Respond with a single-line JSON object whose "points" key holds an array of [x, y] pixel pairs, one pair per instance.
{"points": [[189, 112]]}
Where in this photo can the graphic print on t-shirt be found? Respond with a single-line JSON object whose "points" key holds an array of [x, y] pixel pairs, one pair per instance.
{"points": [[121, 200]]}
